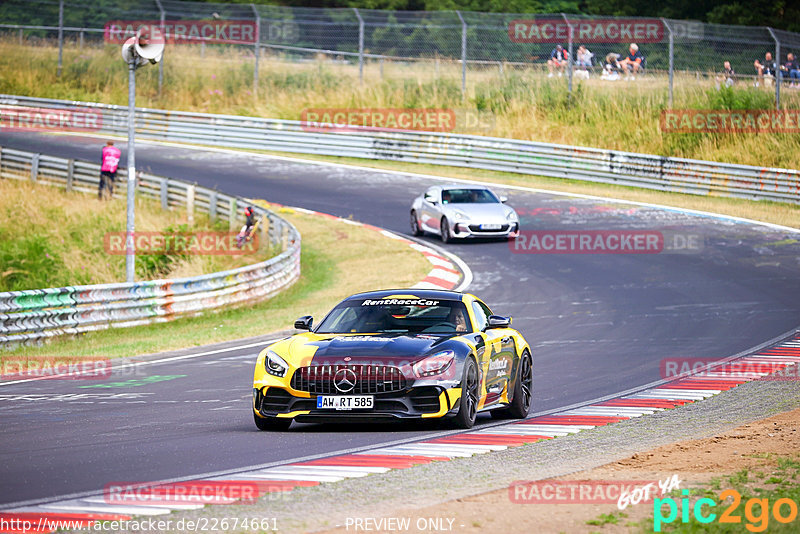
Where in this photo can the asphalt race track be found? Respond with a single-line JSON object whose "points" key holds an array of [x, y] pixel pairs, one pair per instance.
{"points": [[598, 324]]}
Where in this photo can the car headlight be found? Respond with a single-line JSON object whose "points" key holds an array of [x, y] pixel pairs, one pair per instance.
{"points": [[434, 364], [460, 216], [512, 216], [275, 365]]}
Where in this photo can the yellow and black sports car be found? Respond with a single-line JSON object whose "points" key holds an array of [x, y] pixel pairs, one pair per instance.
{"points": [[396, 354]]}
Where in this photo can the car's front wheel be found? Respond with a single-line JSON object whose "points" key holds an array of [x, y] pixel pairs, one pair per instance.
{"points": [[271, 423], [468, 405], [523, 392], [445, 229], [415, 229]]}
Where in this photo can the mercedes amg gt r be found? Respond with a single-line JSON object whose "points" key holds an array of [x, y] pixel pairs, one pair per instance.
{"points": [[396, 354]]}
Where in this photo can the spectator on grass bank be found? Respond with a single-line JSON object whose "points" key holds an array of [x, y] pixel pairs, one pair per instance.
{"points": [[108, 169], [559, 58], [727, 77], [766, 70], [633, 63], [583, 58], [792, 70], [611, 67]]}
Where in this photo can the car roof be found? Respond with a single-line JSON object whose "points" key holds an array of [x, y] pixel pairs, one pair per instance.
{"points": [[420, 293]]}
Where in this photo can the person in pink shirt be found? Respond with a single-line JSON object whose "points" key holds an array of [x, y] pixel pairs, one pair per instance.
{"points": [[108, 169]]}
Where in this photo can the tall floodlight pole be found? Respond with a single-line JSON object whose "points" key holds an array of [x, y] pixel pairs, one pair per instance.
{"points": [[136, 51]]}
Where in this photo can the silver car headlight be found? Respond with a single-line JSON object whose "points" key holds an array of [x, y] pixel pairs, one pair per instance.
{"points": [[512, 216], [460, 216], [275, 365]]}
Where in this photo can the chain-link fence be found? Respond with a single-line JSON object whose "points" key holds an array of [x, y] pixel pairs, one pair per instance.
{"points": [[449, 43]]}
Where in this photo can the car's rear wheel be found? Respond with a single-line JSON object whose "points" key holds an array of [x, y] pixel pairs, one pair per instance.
{"points": [[445, 229], [271, 423], [468, 405], [415, 229]]}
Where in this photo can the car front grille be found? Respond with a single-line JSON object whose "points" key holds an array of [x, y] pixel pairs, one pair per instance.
{"points": [[369, 379], [476, 228]]}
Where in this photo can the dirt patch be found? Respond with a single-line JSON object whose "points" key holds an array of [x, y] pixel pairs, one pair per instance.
{"points": [[753, 446]]}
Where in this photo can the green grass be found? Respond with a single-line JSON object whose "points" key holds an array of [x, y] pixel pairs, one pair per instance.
{"points": [[336, 260], [761, 484], [51, 238], [521, 103], [607, 519]]}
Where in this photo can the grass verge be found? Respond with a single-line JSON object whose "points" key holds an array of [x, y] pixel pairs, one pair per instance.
{"points": [[749, 500], [52, 238], [519, 103], [337, 260]]}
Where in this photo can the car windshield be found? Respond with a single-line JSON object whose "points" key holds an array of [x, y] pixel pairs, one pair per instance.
{"points": [[396, 316], [469, 196]]}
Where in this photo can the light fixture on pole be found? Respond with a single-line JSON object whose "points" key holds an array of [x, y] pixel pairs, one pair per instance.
{"points": [[147, 45]]}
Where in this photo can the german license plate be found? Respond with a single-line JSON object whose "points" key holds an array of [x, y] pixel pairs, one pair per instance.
{"points": [[491, 226], [345, 402]]}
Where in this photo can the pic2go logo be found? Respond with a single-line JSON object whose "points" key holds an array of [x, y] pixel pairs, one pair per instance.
{"points": [[756, 511]]}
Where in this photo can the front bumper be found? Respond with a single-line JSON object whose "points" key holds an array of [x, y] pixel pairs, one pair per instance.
{"points": [[413, 403], [462, 230]]}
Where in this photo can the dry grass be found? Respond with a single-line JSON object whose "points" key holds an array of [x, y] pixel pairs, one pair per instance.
{"points": [[522, 103], [338, 259], [51, 238]]}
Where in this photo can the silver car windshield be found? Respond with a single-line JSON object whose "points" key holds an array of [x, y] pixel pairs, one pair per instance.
{"points": [[469, 196], [396, 317]]}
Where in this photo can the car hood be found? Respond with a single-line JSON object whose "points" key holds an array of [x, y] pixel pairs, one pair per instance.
{"points": [[383, 349], [482, 212]]}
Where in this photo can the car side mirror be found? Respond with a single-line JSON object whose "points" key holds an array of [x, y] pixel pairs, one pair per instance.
{"points": [[304, 322], [498, 321], [431, 199], [503, 199]]}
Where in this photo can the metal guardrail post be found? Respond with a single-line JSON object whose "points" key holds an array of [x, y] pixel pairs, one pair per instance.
{"points": [[60, 35], [778, 72], [81, 41], [671, 59], [212, 206], [190, 192], [70, 174], [257, 48], [463, 54], [360, 46], [232, 209], [35, 167], [161, 62], [164, 194], [20, 36]]}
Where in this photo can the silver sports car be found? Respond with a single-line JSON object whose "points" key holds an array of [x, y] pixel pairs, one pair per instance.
{"points": [[460, 211]]}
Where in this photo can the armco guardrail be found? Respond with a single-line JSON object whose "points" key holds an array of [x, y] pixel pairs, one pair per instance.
{"points": [[33, 315], [544, 159]]}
